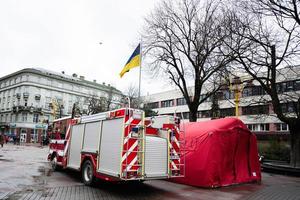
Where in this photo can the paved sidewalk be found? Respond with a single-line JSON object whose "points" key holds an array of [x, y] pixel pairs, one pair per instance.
{"points": [[145, 191], [280, 192], [25, 174]]}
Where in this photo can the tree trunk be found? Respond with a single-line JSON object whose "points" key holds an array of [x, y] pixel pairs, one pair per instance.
{"points": [[295, 146], [193, 113]]}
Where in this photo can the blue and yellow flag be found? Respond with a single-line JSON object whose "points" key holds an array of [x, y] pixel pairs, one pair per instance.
{"points": [[134, 61]]}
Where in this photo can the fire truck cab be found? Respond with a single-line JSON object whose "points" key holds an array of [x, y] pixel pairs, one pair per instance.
{"points": [[118, 145]]}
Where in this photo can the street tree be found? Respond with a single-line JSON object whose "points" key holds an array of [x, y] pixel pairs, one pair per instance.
{"points": [[97, 104], [76, 112], [183, 42], [110, 98], [215, 108], [265, 47], [288, 9], [132, 97]]}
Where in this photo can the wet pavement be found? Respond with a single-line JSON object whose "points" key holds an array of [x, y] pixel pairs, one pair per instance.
{"points": [[25, 174]]}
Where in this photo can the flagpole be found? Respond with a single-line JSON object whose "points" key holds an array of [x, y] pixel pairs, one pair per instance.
{"points": [[141, 52]]}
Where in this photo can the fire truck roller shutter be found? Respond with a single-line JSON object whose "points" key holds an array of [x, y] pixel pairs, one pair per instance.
{"points": [[110, 147], [75, 146], [91, 137], [156, 157]]}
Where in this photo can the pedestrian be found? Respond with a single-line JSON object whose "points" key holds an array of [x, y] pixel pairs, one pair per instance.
{"points": [[2, 139]]}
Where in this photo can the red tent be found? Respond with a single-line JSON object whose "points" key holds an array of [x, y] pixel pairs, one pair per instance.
{"points": [[218, 153]]}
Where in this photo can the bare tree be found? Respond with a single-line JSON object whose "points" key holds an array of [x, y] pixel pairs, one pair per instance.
{"points": [[132, 93], [263, 46], [184, 42], [289, 9], [109, 99], [76, 110], [97, 105]]}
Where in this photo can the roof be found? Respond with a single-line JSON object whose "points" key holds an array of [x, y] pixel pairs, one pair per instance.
{"points": [[63, 77]]}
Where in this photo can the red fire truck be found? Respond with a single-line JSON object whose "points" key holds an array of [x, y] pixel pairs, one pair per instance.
{"points": [[118, 145]]}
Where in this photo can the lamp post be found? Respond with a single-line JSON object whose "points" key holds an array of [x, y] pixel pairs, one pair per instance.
{"points": [[236, 87]]}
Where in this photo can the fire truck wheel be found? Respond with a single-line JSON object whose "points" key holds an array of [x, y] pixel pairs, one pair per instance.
{"points": [[88, 177], [53, 163]]}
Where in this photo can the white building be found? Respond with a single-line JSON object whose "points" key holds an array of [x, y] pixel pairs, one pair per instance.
{"points": [[255, 108], [26, 97]]}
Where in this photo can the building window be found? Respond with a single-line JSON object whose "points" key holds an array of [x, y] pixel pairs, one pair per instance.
{"points": [[167, 103], [14, 100], [264, 127], [47, 102], [202, 96], [37, 97], [180, 101], [288, 86], [3, 102], [24, 117], [258, 127], [186, 115], [288, 107], [36, 118], [253, 127], [255, 110], [204, 114], [297, 85], [282, 127], [70, 106], [227, 94], [153, 105], [8, 101], [227, 112]]}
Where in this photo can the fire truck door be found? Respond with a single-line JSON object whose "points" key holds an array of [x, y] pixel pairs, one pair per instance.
{"points": [[75, 146], [110, 148]]}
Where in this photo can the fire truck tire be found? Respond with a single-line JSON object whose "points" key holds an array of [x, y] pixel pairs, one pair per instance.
{"points": [[53, 163], [88, 177]]}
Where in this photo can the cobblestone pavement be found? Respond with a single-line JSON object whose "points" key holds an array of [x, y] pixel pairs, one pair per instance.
{"points": [[28, 176]]}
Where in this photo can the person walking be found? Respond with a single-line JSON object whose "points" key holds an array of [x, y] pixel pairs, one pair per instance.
{"points": [[2, 139]]}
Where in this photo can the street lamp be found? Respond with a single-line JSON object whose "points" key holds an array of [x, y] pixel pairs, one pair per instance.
{"points": [[237, 87]]}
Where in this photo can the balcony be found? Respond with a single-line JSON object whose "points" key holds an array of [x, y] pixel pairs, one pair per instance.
{"points": [[38, 110], [17, 109]]}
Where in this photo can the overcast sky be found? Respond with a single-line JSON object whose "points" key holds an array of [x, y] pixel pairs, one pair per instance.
{"points": [[63, 35]]}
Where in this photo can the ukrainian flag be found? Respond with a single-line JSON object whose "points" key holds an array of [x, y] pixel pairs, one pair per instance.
{"points": [[134, 61]]}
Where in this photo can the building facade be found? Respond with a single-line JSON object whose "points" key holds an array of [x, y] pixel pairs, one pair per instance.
{"points": [[31, 98], [255, 108]]}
